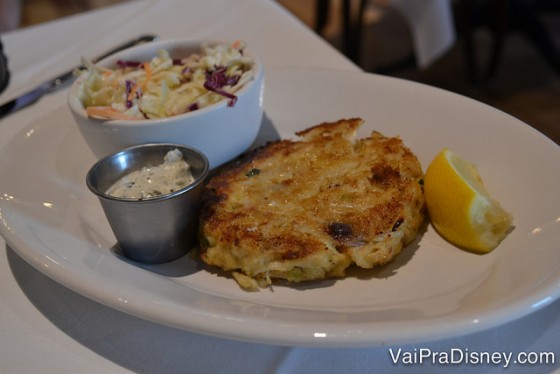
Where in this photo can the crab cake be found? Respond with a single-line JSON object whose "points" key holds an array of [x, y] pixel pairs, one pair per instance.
{"points": [[307, 209]]}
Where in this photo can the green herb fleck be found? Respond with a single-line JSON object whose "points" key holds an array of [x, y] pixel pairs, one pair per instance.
{"points": [[253, 172]]}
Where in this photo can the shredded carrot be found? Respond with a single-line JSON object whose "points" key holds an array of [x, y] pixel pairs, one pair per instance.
{"points": [[132, 92], [106, 112], [106, 74], [236, 44], [148, 70]]}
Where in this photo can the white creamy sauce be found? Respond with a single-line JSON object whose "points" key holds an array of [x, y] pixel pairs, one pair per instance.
{"points": [[150, 182]]}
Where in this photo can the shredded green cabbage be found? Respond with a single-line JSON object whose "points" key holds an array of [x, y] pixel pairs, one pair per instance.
{"points": [[164, 87]]}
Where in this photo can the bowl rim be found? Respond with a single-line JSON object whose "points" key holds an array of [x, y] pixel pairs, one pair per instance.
{"points": [[200, 180], [77, 107]]}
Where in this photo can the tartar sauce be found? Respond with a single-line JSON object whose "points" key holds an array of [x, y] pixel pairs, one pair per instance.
{"points": [[150, 182]]}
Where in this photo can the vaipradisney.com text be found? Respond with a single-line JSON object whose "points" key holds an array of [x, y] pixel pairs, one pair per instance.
{"points": [[464, 356]]}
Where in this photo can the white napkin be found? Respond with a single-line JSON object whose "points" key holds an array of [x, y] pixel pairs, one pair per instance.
{"points": [[431, 25]]}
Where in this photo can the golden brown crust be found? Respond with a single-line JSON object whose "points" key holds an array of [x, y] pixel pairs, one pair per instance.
{"points": [[307, 209]]}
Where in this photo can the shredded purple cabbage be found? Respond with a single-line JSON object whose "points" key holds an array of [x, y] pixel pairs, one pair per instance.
{"points": [[217, 79], [128, 64], [129, 84]]}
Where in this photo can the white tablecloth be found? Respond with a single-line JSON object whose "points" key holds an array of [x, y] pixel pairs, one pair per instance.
{"points": [[46, 328]]}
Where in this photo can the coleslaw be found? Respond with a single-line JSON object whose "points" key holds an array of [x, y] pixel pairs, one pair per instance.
{"points": [[163, 86]]}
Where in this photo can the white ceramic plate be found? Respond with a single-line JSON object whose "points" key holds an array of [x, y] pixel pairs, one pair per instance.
{"points": [[431, 291]]}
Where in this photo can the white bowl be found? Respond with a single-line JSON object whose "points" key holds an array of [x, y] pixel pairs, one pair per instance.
{"points": [[220, 131]]}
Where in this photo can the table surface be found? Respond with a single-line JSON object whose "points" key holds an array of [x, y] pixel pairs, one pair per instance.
{"points": [[48, 328]]}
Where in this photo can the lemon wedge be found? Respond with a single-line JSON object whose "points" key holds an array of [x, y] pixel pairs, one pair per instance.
{"points": [[460, 207]]}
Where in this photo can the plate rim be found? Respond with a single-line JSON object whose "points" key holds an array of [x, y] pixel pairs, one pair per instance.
{"points": [[498, 317]]}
